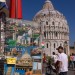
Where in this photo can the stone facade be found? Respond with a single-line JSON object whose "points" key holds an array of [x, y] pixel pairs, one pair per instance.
{"points": [[54, 28]]}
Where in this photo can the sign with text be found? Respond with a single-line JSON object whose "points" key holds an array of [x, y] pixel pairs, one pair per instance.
{"points": [[11, 60]]}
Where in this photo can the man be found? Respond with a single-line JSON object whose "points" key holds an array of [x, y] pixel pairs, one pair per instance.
{"points": [[71, 63], [74, 60], [63, 61]]}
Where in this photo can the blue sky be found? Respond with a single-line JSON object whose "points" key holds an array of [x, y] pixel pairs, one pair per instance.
{"points": [[67, 7]]}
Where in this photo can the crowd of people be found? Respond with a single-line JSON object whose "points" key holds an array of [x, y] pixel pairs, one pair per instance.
{"points": [[60, 62]]}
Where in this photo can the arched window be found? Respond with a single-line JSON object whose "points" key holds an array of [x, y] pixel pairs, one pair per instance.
{"points": [[54, 45], [46, 22], [47, 45], [56, 34], [44, 33], [53, 23], [44, 14]]}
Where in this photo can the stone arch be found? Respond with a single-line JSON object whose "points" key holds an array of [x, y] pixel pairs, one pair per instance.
{"points": [[48, 44], [55, 44], [47, 50]]}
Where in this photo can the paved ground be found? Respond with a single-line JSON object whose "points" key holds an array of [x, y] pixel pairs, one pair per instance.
{"points": [[70, 72]]}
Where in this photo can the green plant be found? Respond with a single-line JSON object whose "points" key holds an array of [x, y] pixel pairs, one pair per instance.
{"points": [[49, 59]]}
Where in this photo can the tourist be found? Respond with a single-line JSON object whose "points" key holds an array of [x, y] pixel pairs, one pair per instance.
{"points": [[63, 61], [71, 63], [54, 56], [74, 60]]}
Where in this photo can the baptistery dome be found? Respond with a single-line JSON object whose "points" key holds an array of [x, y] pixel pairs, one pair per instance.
{"points": [[54, 27], [54, 17]]}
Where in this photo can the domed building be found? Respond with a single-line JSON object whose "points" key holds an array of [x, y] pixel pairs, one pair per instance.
{"points": [[54, 28]]}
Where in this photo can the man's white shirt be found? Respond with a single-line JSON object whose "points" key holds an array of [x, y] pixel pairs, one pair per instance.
{"points": [[64, 59], [55, 58]]}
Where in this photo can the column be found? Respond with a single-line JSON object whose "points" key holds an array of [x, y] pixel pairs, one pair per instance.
{"points": [[53, 35], [48, 34], [58, 36]]}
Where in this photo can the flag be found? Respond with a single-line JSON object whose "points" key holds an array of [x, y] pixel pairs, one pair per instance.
{"points": [[43, 45]]}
